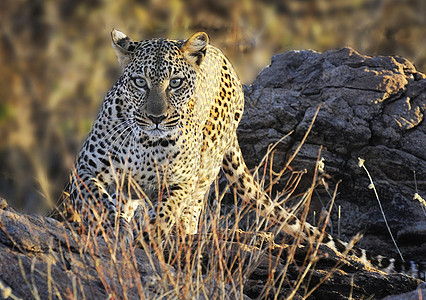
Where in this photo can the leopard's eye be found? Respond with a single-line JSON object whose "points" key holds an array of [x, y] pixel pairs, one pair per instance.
{"points": [[140, 82], [175, 83]]}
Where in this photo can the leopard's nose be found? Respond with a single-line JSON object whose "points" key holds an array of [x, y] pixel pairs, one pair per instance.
{"points": [[157, 119]]}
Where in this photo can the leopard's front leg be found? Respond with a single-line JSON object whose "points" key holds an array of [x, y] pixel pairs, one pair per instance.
{"points": [[178, 209], [96, 203]]}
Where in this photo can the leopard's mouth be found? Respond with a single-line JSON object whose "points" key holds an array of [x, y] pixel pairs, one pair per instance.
{"points": [[167, 127]]}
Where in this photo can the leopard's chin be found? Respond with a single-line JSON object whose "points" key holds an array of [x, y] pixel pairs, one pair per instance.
{"points": [[158, 133]]}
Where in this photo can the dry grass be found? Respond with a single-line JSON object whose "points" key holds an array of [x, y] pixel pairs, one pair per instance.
{"points": [[216, 263]]}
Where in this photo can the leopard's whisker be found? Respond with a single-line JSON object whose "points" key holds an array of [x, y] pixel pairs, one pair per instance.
{"points": [[123, 160], [114, 141], [116, 128]]}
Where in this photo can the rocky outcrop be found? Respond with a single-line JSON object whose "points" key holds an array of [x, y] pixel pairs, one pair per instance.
{"points": [[372, 108], [41, 258], [44, 259]]}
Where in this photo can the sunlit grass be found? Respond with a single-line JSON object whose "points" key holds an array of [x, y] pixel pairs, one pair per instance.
{"points": [[215, 263]]}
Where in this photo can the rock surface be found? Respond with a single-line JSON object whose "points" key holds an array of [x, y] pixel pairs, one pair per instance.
{"points": [[373, 108], [41, 258]]}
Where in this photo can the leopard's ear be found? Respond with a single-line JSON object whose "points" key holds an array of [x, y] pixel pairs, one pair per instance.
{"points": [[123, 47], [194, 49]]}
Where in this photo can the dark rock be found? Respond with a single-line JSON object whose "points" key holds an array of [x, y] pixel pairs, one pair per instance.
{"points": [[41, 258], [373, 108]]}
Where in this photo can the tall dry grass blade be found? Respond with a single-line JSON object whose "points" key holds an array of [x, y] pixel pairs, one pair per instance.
{"points": [[372, 186]]}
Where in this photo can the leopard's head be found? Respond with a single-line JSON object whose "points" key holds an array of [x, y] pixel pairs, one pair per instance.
{"points": [[158, 82]]}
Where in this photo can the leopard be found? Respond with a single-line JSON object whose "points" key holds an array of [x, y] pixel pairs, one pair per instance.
{"points": [[169, 126]]}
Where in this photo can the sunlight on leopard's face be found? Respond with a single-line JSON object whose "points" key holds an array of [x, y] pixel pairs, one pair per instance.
{"points": [[158, 85]]}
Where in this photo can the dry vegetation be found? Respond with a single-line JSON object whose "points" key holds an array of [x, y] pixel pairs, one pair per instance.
{"points": [[216, 263]]}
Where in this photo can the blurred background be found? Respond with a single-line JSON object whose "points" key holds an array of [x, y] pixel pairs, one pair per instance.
{"points": [[56, 63]]}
